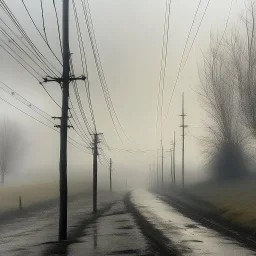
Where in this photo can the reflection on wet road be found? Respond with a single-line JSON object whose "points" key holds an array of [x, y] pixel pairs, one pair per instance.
{"points": [[188, 236], [27, 236], [114, 233]]}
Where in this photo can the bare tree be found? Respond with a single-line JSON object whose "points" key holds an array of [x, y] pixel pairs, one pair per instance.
{"points": [[243, 50], [220, 99], [10, 147]]}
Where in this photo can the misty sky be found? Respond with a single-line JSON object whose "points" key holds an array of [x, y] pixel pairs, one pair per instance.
{"points": [[129, 37]]}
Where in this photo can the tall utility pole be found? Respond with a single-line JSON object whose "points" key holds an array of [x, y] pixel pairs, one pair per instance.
{"points": [[183, 126], [64, 125], [174, 148], [162, 164], [64, 82], [157, 175], [171, 158], [171, 151], [150, 177], [110, 175], [95, 169]]}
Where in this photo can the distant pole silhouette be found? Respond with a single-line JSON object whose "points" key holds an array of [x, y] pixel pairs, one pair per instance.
{"points": [[174, 149], [183, 126], [110, 175], [95, 170], [162, 164]]}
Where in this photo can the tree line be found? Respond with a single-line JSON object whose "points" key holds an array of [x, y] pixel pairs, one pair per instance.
{"points": [[228, 93]]}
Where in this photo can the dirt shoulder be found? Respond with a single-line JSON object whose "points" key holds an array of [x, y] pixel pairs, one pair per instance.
{"points": [[210, 216]]}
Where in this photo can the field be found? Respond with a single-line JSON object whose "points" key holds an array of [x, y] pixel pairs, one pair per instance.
{"points": [[236, 200], [36, 193]]}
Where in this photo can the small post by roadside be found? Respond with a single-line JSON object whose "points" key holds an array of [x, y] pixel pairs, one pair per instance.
{"points": [[20, 203]]}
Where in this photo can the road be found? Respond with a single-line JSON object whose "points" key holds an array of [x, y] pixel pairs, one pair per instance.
{"points": [[145, 224], [30, 234], [180, 234]]}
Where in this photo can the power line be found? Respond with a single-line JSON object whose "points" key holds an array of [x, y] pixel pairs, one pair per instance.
{"points": [[76, 90], [42, 13], [163, 61], [84, 63], [197, 32], [58, 25], [96, 55], [24, 34], [24, 101], [34, 53], [183, 54], [41, 123], [13, 41], [44, 39]]}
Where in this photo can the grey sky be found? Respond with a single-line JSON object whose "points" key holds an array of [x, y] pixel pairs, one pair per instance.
{"points": [[129, 36]]}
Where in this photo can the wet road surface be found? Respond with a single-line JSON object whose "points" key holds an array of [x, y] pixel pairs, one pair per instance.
{"points": [[114, 233], [186, 235], [28, 236]]}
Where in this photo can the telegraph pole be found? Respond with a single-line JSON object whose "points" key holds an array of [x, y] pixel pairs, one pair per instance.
{"points": [[110, 175], [171, 158], [64, 126], [174, 148], [95, 169], [162, 164], [157, 175], [64, 83], [183, 126], [171, 151]]}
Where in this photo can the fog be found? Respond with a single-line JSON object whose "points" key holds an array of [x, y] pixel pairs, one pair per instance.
{"points": [[129, 37]]}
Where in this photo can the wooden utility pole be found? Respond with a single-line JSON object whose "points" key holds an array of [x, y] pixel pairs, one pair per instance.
{"points": [[171, 161], [110, 175], [173, 155], [183, 126], [171, 151], [157, 175], [64, 125], [95, 170], [64, 82], [162, 164]]}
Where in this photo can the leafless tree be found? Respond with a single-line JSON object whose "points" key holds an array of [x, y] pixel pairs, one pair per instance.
{"points": [[220, 99], [243, 51], [10, 147]]}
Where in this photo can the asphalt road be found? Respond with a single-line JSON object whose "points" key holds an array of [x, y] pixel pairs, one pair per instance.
{"points": [[31, 234], [180, 235]]}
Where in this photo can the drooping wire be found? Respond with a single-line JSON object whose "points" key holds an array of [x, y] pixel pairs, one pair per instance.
{"points": [[58, 26], [84, 63], [161, 82], [97, 59], [35, 51], [42, 13], [205, 10], [12, 40], [178, 75], [39, 121], [19, 62], [78, 98], [24, 101], [40, 32]]}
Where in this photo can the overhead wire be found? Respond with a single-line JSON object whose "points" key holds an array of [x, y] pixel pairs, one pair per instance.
{"points": [[21, 99], [42, 13], [14, 20], [161, 81], [84, 63], [205, 10], [58, 25], [39, 121], [100, 71], [183, 52], [36, 27]]}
